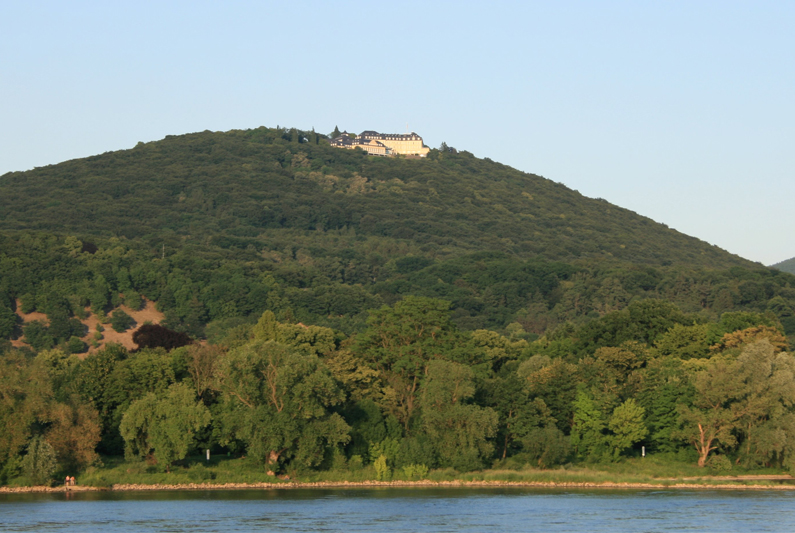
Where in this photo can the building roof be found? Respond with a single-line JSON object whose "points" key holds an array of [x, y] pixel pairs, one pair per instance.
{"points": [[392, 136]]}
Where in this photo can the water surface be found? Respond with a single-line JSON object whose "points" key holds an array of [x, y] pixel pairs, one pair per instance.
{"points": [[401, 509]]}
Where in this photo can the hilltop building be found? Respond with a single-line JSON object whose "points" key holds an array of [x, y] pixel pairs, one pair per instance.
{"points": [[383, 144], [369, 146]]}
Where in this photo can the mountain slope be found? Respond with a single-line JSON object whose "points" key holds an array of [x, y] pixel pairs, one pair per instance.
{"points": [[218, 227], [787, 265], [238, 188]]}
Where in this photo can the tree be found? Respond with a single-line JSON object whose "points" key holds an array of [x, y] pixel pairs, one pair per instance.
{"points": [[400, 343], [39, 463], [133, 300], [202, 361], [556, 385], [460, 431], [95, 382], [710, 421], [19, 404], [588, 429], [627, 426], [37, 335], [157, 336], [164, 424], [74, 433], [546, 445], [765, 410], [121, 321], [8, 322], [519, 414], [736, 397], [664, 384], [747, 336], [278, 402]]}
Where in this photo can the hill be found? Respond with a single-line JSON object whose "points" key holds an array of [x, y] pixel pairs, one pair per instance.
{"points": [[785, 266], [218, 227], [242, 188]]}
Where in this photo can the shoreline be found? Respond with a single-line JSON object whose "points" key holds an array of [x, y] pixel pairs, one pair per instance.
{"points": [[606, 485]]}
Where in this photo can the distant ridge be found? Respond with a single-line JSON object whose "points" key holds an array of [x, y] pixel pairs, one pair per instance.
{"points": [[787, 265]]}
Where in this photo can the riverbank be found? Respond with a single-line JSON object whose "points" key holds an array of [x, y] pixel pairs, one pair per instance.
{"points": [[712, 483]]}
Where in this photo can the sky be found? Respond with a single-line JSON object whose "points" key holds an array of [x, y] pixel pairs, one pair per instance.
{"points": [[682, 111]]}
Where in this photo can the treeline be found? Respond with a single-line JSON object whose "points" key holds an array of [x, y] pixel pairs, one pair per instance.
{"points": [[206, 290], [413, 392]]}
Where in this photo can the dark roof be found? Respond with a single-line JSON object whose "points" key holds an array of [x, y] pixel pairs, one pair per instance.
{"points": [[399, 136]]}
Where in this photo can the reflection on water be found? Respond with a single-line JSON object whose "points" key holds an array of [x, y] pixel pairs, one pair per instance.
{"points": [[400, 509]]}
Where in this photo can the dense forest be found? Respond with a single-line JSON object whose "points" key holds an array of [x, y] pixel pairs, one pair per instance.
{"points": [[329, 310], [785, 266]]}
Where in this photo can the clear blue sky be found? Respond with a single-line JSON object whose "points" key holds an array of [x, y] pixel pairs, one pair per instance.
{"points": [[680, 111]]}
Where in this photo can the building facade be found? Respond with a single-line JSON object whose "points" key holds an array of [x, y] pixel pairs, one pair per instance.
{"points": [[384, 144]]}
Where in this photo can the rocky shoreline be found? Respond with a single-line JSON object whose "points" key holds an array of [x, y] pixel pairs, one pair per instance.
{"points": [[386, 484]]}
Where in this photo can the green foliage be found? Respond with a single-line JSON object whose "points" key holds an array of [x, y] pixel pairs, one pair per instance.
{"points": [[719, 463], [666, 384], [437, 312], [76, 345], [8, 322], [382, 471], [232, 187], [37, 335], [133, 300], [626, 424], [277, 400], [39, 463], [163, 424], [401, 343], [746, 396], [460, 432], [121, 321], [414, 472], [588, 436], [546, 446]]}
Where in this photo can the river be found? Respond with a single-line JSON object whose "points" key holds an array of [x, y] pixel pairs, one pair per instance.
{"points": [[401, 509]]}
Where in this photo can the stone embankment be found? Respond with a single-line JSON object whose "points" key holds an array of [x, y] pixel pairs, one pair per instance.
{"points": [[423, 483]]}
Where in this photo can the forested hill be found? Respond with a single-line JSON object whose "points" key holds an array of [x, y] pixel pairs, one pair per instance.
{"points": [[370, 316], [787, 265], [241, 188], [218, 227]]}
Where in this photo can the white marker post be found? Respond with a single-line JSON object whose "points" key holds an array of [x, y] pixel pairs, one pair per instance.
{"points": [[208, 454], [642, 452]]}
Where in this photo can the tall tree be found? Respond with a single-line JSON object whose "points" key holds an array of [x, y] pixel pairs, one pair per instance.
{"points": [[400, 343], [278, 402], [164, 425], [461, 432]]}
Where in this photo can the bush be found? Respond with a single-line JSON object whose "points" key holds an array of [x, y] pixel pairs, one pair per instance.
{"points": [[382, 472], [355, 463], [199, 472], [76, 345], [719, 463], [547, 446], [121, 321], [133, 300], [412, 472], [38, 335]]}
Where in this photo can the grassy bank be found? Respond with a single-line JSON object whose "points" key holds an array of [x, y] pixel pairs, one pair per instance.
{"points": [[222, 470]]}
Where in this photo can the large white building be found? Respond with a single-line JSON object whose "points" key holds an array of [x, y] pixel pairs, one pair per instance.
{"points": [[384, 144]]}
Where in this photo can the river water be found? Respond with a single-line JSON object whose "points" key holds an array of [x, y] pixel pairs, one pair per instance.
{"points": [[401, 509]]}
